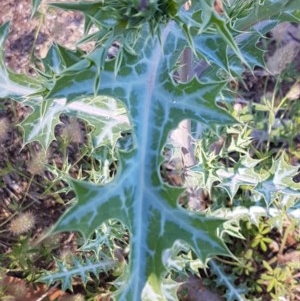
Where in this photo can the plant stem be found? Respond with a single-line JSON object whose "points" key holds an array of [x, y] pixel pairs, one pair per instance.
{"points": [[227, 262]]}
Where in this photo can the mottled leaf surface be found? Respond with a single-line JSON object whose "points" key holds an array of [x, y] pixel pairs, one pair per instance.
{"points": [[137, 196], [107, 116], [141, 79]]}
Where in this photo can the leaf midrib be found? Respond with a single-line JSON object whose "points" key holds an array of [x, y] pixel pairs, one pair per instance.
{"points": [[144, 141]]}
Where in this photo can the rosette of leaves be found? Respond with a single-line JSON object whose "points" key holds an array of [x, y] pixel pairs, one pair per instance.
{"points": [[152, 36]]}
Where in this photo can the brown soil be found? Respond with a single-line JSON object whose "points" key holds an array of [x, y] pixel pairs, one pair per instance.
{"points": [[36, 34]]}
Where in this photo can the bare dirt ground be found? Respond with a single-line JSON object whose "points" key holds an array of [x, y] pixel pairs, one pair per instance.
{"points": [[27, 36], [36, 34]]}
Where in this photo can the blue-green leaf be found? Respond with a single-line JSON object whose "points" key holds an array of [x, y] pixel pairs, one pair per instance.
{"points": [[107, 117], [137, 196]]}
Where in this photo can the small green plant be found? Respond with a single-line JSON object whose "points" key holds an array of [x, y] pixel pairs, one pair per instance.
{"points": [[261, 239], [132, 100], [278, 281], [254, 274], [245, 264]]}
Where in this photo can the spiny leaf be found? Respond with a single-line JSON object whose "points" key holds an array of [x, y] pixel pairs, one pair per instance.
{"points": [[276, 10], [228, 38], [255, 212], [145, 84], [233, 292], [107, 117], [40, 123], [279, 179], [231, 179], [77, 267], [137, 196], [58, 58], [103, 237]]}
